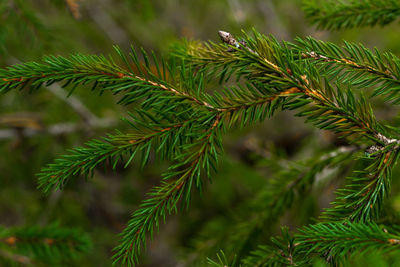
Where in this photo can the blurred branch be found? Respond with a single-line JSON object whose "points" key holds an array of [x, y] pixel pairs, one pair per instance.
{"points": [[75, 103], [272, 21], [91, 121], [56, 129], [26, 126], [15, 257], [107, 24], [237, 11], [73, 6]]}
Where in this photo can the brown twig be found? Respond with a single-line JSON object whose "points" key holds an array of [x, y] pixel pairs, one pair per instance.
{"points": [[73, 6]]}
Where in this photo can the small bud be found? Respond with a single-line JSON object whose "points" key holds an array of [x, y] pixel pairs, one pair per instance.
{"points": [[228, 38], [225, 36]]}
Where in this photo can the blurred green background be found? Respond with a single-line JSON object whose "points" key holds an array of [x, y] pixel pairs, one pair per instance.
{"points": [[36, 127]]}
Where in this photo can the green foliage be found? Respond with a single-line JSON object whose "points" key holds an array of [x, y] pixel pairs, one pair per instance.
{"points": [[289, 185], [355, 65], [48, 244], [181, 119], [222, 260], [333, 15], [362, 197], [332, 241], [338, 239], [282, 251], [112, 149], [185, 124], [163, 199]]}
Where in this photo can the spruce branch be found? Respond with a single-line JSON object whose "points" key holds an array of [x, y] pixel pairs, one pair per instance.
{"points": [[179, 121], [334, 15], [362, 197], [270, 64], [112, 148], [153, 133], [273, 67], [235, 105], [355, 64], [333, 241], [164, 199], [338, 239], [102, 73]]}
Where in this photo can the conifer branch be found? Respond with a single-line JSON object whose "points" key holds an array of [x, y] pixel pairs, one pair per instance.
{"points": [[334, 15], [326, 107], [102, 73], [356, 65], [272, 67], [165, 198], [112, 148], [178, 120], [331, 240], [338, 239], [83, 160], [362, 197]]}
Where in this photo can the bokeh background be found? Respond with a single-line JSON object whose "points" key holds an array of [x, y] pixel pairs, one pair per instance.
{"points": [[36, 127]]}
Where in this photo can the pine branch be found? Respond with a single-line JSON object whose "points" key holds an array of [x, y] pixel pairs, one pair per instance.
{"points": [[105, 74], [151, 131], [241, 105], [363, 196], [236, 106], [355, 65], [46, 244], [83, 160], [245, 106], [335, 111], [334, 15], [269, 66], [330, 240], [257, 58], [178, 120], [338, 239], [165, 198]]}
